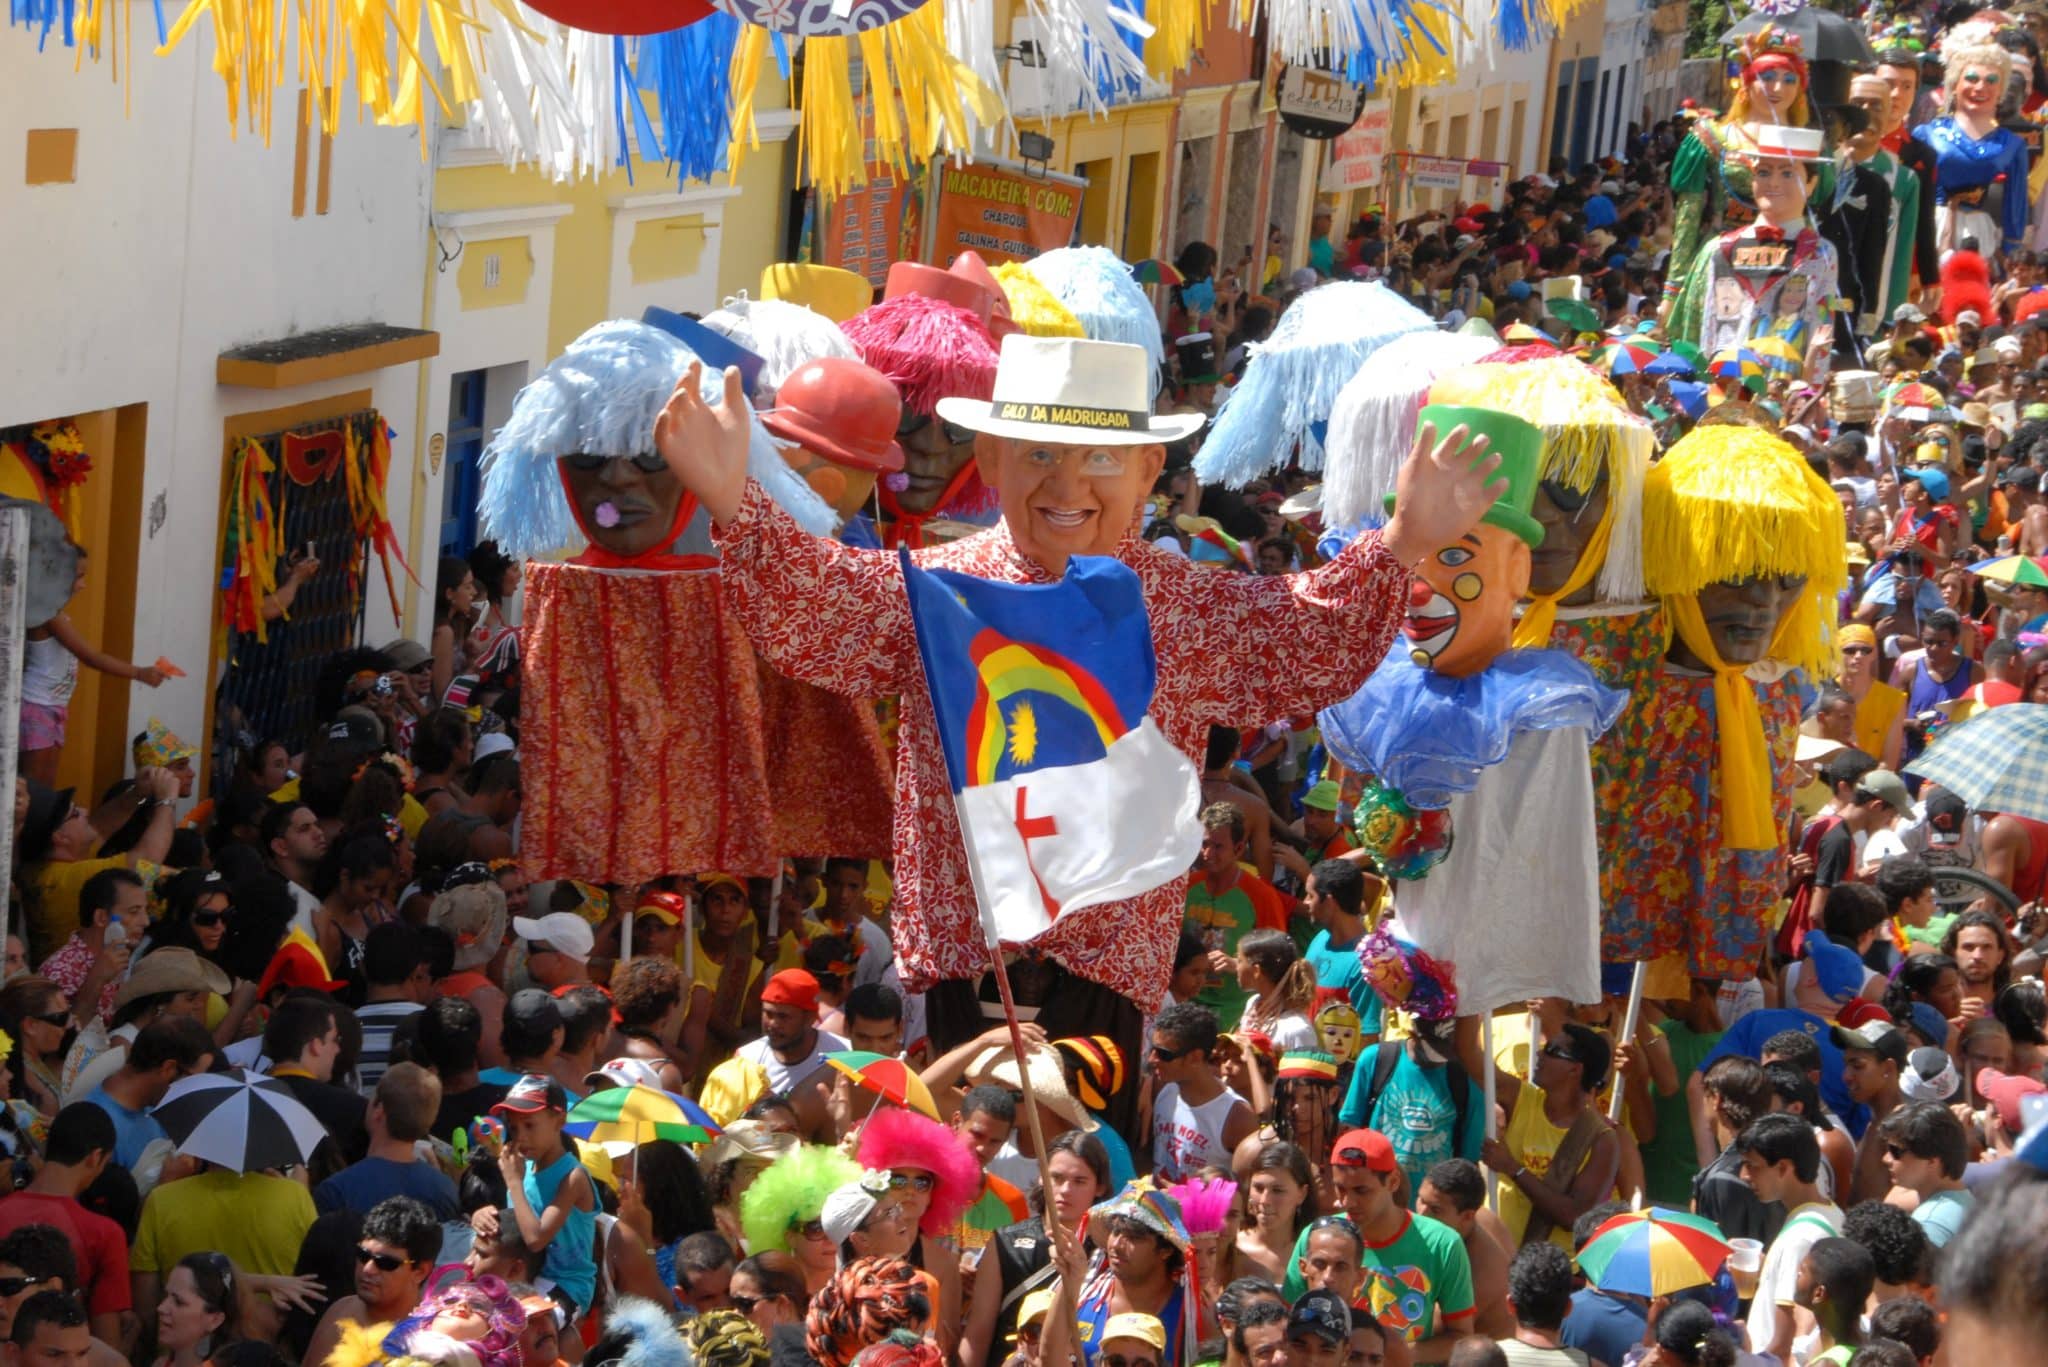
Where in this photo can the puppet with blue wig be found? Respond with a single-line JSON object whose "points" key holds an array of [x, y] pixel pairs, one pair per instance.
{"points": [[631, 778]]}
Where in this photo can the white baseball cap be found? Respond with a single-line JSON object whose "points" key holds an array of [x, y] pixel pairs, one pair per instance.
{"points": [[562, 931]]}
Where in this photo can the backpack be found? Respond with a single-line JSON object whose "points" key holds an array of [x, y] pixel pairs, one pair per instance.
{"points": [[1388, 1058]]}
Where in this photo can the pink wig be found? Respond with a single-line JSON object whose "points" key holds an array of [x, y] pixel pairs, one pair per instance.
{"points": [[896, 1138], [929, 349], [1204, 1202]]}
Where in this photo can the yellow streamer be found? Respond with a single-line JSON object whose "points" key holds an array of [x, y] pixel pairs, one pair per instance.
{"points": [[1180, 27], [1743, 764]]}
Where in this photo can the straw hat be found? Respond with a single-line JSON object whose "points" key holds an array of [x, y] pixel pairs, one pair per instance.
{"points": [[1048, 1081]]}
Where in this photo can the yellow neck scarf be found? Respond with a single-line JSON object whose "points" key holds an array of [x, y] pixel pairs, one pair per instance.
{"points": [[1748, 821], [1540, 616]]}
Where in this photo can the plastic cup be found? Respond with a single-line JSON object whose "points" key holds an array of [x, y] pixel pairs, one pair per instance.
{"points": [[1745, 1265]]}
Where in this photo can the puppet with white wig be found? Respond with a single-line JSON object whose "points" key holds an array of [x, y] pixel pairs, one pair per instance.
{"points": [[628, 778], [1980, 168]]}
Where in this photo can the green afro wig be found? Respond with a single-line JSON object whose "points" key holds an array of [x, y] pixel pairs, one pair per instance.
{"points": [[790, 1191]]}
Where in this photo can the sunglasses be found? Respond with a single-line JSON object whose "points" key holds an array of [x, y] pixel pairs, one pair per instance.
{"points": [[647, 463], [211, 918], [810, 1229], [1897, 1151], [1561, 1052], [1161, 1054], [1858, 650], [745, 1304], [386, 1262], [54, 1018], [14, 1286]]}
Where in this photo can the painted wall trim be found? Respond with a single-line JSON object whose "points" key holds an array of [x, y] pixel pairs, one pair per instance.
{"points": [[531, 214], [674, 199]]}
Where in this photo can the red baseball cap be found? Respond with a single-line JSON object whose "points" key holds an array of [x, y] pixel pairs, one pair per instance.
{"points": [[1368, 1149], [2004, 1091], [792, 987], [1861, 1012]]}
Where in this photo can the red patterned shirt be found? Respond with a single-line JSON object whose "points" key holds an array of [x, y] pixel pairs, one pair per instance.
{"points": [[68, 966], [1233, 650]]}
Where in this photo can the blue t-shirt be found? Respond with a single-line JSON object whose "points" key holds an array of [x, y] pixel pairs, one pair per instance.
{"points": [[571, 1260], [1602, 1327], [133, 1130], [1599, 212], [359, 1186], [1745, 1039], [1942, 1214], [1337, 966], [1416, 1112]]}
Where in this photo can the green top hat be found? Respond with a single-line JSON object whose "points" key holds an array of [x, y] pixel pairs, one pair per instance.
{"points": [[1520, 447]]}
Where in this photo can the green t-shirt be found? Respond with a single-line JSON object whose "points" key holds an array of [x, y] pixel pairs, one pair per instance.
{"points": [[1669, 1162], [1416, 1112], [1420, 1276], [1219, 921]]}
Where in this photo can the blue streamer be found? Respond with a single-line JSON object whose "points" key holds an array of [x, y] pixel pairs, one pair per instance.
{"points": [[688, 72], [622, 95], [43, 15], [781, 52]]}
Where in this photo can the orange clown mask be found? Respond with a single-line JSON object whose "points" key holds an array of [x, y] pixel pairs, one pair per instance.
{"points": [[1461, 603]]}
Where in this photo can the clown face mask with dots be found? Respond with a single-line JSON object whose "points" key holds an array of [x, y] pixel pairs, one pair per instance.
{"points": [[1461, 603]]}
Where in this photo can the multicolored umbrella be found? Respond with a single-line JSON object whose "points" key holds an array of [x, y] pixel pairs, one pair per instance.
{"points": [[1917, 402], [1523, 333], [1738, 363], [1691, 396], [1579, 316], [627, 1117], [1653, 1252], [1690, 352], [1626, 357], [1997, 761], [889, 1078], [1779, 354], [1153, 271], [1672, 362], [2031, 570], [999, 1206]]}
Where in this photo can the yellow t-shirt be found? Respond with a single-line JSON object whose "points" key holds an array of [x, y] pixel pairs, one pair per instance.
{"points": [[1880, 707], [257, 1220], [52, 897], [704, 970], [1534, 1142]]}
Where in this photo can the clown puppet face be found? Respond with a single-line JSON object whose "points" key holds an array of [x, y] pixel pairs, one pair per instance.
{"points": [[1461, 603], [628, 505]]}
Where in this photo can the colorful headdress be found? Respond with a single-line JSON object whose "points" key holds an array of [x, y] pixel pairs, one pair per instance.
{"points": [[1372, 422], [637, 1333], [929, 349], [1204, 1203], [1033, 307], [504, 1322], [601, 397], [1728, 504], [1588, 433], [790, 1192], [865, 1302], [1420, 984], [1151, 1207], [1291, 382], [1096, 287], [1097, 1065], [1307, 1065], [160, 746], [892, 1137], [1769, 47], [785, 336], [1209, 544]]}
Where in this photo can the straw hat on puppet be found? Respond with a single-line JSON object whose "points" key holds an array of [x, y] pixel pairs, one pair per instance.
{"points": [[1730, 503], [1291, 382], [1072, 391], [1589, 435]]}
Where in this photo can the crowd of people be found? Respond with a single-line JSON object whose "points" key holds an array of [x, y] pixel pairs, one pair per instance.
{"points": [[706, 1118]]}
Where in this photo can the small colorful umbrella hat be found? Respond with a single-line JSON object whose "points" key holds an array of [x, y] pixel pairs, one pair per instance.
{"points": [[1997, 761], [1626, 357], [889, 1078], [1737, 363], [999, 1206], [623, 1118], [1672, 362], [1653, 1253], [1779, 355], [1153, 271], [2030, 570]]}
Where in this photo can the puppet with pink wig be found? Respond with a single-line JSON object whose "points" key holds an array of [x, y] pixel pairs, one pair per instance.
{"points": [[467, 1324], [1207, 1209], [911, 1147]]}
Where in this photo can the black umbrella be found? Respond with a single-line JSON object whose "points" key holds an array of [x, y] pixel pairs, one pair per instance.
{"points": [[1825, 35], [238, 1120]]}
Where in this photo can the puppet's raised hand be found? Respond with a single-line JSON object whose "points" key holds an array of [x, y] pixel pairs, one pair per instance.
{"points": [[705, 444], [1442, 489]]}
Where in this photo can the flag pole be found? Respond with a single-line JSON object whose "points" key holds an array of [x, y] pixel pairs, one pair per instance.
{"points": [[1492, 1090], [1629, 1018]]}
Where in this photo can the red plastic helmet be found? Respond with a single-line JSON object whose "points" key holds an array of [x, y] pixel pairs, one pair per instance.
{"points": [[625, 16], [970, 266], [963, 291], [843, 410]]}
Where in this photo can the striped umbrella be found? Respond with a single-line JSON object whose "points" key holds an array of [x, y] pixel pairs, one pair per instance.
{"points": [[2031, 570], [1627, 357], [1738, 363], [1997, 761], [237, 1120], [622, 1118], [889, 1078], [1653, 1252], [999, 1206], [1778, 354], [1672, 362]]}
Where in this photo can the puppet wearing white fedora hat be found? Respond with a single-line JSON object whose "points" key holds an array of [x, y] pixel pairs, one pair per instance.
{"points": [[1069, 442]]}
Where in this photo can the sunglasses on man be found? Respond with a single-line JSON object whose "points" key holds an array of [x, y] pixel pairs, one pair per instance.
{"points": [[386, 1262]]}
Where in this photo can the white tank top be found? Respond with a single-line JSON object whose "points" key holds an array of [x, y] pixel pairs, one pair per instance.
{"points": [[49, 672], [1186, 1139]]}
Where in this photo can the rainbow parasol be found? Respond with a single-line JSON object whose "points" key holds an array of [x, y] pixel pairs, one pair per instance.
{"points": [[2031, 570], [999, 1206], [1778, 354], [1578, 316], [1917, 402], [626, 1117], [1626, 357], [1653, 1253], [1153, 271], [1738, 363], [889, 1078]]}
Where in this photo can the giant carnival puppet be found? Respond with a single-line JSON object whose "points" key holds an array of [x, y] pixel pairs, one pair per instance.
{"points": [[1980, 168], [1747, 564], [1909, 244], [1071, 447], [1710, 175], [1776, 276], [655, 740], [1457, 731]]}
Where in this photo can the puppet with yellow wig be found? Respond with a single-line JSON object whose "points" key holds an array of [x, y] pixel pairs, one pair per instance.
{"points": [[1710, 175], [623, 784], [1748, 562]]}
